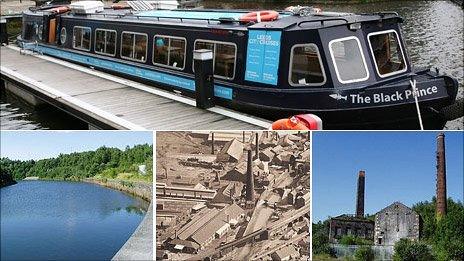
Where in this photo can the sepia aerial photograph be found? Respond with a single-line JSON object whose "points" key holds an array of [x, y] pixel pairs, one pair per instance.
{"points": [[232, 195]]}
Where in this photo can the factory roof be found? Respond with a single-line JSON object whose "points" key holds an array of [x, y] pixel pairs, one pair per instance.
{"points": [[232, 148], [199, 221], [207, 231]]}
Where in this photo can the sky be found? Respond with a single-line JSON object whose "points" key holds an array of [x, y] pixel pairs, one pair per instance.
{"points": [[400, 166], [25, 145]]}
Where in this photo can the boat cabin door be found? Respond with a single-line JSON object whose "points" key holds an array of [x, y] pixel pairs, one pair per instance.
{"points": [[52, 30]]}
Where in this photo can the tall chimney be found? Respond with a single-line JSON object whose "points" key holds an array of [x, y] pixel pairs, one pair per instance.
{"points": [[257, 145], [250, 186], [441, 176], [360, 195], [212, 143]]}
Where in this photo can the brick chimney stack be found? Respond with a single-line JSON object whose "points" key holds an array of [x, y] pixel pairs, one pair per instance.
{"points": [[360, 194], [250, 186], [441, 176]]}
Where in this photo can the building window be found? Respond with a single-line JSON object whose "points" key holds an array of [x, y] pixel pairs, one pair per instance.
{"points": [[169, 51], [306, 66], [387, 52], [134, 46], [105, 42], [82, 38], [63, 35], [348, 59], [224, 57], [348, 231], [338, 231]]}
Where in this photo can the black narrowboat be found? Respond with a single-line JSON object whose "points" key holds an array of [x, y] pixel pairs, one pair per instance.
{"points": [[351, 70]]}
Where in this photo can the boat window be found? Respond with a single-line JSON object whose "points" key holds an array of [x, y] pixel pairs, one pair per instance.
{"points": [[63, 35], [81, 38], [40, 32], [348, 60], [105, 42], [306, 66], [387, 52], [224, 57], [134, 46], [169, 51]]}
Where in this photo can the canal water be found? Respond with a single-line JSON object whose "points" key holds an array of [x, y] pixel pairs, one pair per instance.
{"points": [[433, 32], [55, 220], [16, 114]]}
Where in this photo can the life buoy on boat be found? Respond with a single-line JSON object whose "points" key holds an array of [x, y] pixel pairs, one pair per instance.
{"points": [[260, 16], [60, 9], [298, 122], [119, 6]]}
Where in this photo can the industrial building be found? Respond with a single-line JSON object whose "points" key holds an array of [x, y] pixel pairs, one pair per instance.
{"points": [[355, 225], [208, 224], [395, 222]]}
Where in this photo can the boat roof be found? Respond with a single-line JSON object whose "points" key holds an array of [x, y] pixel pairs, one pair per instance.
{"points": [[230, 19]]}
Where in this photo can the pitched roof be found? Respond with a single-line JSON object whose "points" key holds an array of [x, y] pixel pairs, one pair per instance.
{"points": [[200, 219], [287, 251], [210, 228], [233, 148], [394, 205]]}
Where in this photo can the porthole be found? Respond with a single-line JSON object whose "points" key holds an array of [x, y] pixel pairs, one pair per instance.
{"points": [[63, 35]]}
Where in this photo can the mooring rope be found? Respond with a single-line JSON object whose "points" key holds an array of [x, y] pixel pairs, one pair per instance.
{"points": [[414, 91]]}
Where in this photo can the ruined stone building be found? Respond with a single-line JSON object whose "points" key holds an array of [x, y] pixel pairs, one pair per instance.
{"points": [[395, 222], [345, 225], [355, 225]]}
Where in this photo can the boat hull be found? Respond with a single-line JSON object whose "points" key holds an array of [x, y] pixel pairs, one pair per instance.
{"points": [[384, 106]]}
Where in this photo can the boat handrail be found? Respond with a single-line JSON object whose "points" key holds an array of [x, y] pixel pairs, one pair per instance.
{"points": [[383, 13], [325, 20], [130, 15], [225, 19]]}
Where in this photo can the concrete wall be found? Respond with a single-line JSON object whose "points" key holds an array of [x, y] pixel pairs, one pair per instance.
{"points": [[380, 252]]}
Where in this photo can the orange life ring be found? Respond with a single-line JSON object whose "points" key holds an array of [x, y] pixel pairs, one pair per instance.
{"points": [[60, 9], [298, 122], [292, 123], [119, 6], [261, 16]]}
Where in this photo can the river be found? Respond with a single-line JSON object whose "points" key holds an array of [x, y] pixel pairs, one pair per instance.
{"points": [[56, 220], [433, 32]]}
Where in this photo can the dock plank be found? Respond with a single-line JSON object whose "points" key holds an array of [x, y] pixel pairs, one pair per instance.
{"points": [[112, 102]]}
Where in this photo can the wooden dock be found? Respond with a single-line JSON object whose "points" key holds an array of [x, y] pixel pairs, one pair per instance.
{"points": [[109, 102]]}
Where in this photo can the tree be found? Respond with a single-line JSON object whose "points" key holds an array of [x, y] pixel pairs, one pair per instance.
{"points": [[321, 239], [446, 235], [407, 250], [364, 253], [81, 165]]}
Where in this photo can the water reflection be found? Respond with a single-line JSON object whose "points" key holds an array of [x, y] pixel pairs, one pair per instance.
{"points": [[16, 114]]}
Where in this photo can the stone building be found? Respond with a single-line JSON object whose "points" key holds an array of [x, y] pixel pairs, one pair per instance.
{"points": [[395, 222], [345, 225]]}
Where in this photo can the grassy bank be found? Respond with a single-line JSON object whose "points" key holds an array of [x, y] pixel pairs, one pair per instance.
{"points": [[142, 189]]}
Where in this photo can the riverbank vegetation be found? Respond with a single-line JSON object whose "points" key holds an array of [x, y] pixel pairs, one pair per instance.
{"points": [[135, 163], [441, 239], [6, 179]]}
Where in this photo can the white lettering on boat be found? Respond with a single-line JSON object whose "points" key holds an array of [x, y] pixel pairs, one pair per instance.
{"points": [[377, 98]]}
